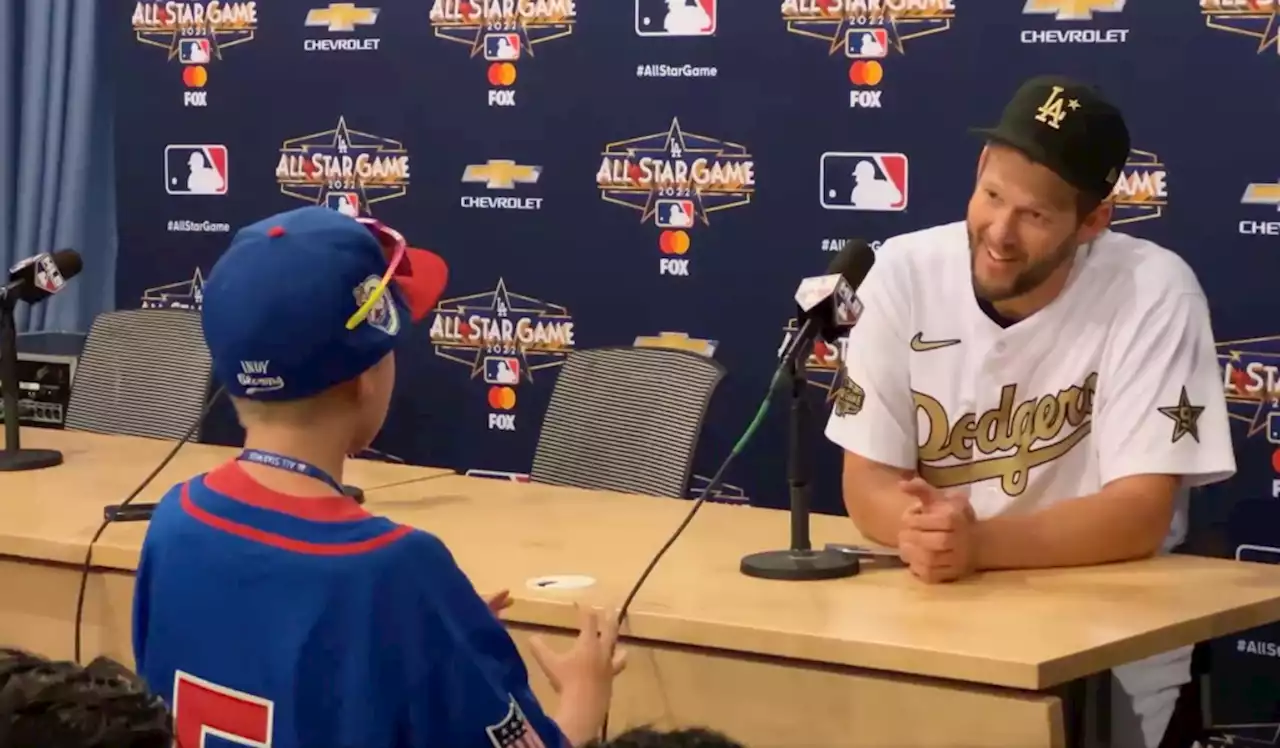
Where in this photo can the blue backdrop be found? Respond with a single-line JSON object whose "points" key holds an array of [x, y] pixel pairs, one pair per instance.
{"points": [[600, 170]]}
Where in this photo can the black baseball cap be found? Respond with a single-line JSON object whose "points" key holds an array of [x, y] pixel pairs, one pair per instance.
{"points": [[1069, 127]]}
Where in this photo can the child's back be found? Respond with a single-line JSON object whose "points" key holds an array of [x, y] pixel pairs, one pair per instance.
{"points": [[312, 617], [270, 608]]}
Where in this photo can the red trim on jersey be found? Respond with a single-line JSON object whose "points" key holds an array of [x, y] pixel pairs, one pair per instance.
{"points": [[289, 544], [231, 480]]}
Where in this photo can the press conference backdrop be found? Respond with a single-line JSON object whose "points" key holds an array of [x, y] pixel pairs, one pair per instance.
{"points": [[598, 171]]}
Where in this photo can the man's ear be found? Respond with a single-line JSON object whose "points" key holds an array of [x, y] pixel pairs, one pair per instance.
{"points": [[982, 161], [1096, 221]]}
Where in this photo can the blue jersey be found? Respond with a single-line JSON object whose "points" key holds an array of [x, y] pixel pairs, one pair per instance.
{"points": [[266, 619]]}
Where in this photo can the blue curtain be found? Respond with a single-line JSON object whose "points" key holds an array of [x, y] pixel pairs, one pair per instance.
{"points": [[57, 181]]}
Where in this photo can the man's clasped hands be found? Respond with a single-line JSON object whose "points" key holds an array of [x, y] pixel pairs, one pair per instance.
{"points": [[936, 538]]}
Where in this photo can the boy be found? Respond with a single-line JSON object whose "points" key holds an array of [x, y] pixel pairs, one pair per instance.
{"points": [[271, 609]]}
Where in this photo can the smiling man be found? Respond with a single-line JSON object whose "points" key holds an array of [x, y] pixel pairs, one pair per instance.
{"points": [[1031, 389]]}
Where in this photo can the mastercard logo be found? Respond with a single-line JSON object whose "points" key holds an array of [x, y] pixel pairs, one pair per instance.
{"points": [[195, 76], [502, 74], [673, 242], [866, 73], [502, 398]]}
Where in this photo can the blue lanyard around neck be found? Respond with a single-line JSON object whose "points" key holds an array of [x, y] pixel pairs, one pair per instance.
{"points": [[271, 459]]}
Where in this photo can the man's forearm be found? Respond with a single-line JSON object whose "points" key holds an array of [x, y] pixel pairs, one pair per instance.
{"points": [[877, 513], [1095, 529]]}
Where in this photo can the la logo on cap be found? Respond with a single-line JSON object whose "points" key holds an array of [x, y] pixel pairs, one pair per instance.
{"points": [[383, 316], [1054, 108]]}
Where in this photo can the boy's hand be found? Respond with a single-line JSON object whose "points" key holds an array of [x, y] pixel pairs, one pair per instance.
{"points": [[499, 602], [591, 663]]}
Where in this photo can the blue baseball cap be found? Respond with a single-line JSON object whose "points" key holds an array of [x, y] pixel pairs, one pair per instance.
{"points": [[310, 298]]}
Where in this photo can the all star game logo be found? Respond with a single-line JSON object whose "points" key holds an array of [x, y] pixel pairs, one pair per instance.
{"points": [[725, 493], [187, 294], [1142, 191], [865, 33], [1251, 385], [1259, 20], [504, 338], [195, 34], [504, 32], [1251, 382], [676, 180], [344, 169]]}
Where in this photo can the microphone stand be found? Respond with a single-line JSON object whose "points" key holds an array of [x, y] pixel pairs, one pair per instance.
{"points": [[13, 457], [799, 562]]}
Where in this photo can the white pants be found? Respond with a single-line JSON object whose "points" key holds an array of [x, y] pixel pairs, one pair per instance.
{"points": [[1143, 697]]}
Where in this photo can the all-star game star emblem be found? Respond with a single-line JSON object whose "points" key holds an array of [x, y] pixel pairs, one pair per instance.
{"points": [[502, 336], [344, 169], [676, 178], [1185, 417], [1259, 20]]}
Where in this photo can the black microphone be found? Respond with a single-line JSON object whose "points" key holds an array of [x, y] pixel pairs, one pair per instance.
{"points": [[829, 307], [38, 277], [32, 280]]}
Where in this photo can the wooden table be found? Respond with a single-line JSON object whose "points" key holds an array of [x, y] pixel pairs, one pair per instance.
{"points": [[875, 660]]}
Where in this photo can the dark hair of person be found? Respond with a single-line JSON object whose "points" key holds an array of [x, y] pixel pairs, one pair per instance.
{"points": [[644, 737], [48, 704]]}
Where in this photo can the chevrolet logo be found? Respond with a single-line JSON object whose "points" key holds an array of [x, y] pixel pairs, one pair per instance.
{"points": [[677, 341], [342, 16], [1073, 10], [1262, 194], [501, 174]]}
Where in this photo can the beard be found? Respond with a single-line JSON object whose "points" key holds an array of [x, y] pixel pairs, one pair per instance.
{"points": [[1028, 279]]}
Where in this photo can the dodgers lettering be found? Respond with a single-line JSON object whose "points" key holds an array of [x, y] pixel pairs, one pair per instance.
{"points": [[1033, 422]]}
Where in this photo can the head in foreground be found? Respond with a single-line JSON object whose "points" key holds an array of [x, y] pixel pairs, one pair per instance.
{"points": [[46, 704], [643, 737], [301, 315], [1044, 179]]}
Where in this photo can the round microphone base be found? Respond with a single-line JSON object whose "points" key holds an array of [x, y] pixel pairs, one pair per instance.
{"points": [[354, 492], [13, 460], [800, 566]]}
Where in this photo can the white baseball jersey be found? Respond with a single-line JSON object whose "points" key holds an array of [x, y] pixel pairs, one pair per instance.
{"points": [[1118, 376]]}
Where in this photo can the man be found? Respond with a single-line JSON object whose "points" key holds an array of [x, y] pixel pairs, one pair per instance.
{"points": [[1034, 389]]}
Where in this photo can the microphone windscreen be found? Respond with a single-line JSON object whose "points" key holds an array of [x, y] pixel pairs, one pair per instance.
{"points": [[69, 262], [853, 262]]}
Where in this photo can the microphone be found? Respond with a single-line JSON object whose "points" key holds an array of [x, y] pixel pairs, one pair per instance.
{"points": [[826, 305], [38, 277], [827, 308], [32, 280]]}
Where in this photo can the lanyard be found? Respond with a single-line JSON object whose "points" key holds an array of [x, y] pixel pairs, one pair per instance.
{"points": [[271, 459]]}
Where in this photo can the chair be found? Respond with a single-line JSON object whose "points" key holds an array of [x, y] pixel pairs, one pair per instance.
{"points": [[143, 372], [625, 419]]}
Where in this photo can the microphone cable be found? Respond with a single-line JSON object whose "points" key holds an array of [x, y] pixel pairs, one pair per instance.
{"points": [[789, 349], [88, 556], [697, 504]]}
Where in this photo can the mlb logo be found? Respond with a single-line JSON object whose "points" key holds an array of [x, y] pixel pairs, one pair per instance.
{"points": [[864, 181], [195, 169], [675, 214], [346, 203], [866, 43], [501, 370], [194, 51], [501, 46], [676, 17], [48, 277], [1273, 427]]}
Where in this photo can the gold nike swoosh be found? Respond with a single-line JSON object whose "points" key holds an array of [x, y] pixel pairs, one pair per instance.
{"points": [[919, 344]]}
